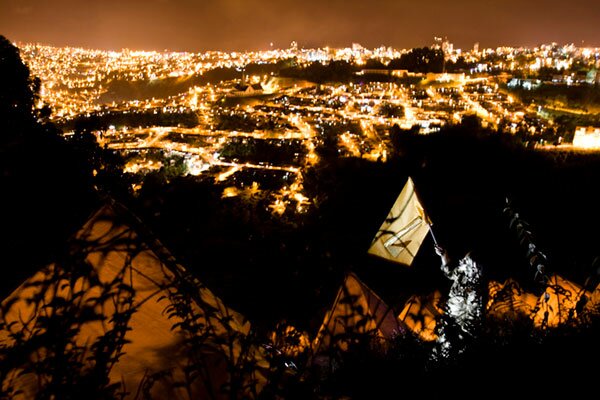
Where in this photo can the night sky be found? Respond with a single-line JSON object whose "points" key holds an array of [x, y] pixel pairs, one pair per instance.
{"points": [[196, 25]]}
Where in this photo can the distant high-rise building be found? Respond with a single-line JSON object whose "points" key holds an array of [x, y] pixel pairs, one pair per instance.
{"points": [[443, 44], [476, 48], [447, 47]]}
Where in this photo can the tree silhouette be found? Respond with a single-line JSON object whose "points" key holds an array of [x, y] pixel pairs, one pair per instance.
{"points": [[18, 91], [420, 60], [46, 185]]}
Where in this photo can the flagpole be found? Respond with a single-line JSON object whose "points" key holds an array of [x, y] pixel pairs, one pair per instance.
{"points": [[432, 234]]}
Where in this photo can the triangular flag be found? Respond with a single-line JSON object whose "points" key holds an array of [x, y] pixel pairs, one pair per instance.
{"points": [[404, 229], [126, 272], [356, 310], [421, 315]]}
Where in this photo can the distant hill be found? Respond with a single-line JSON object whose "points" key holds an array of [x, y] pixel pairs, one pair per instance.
{"points": [[582, 97], [125, 90]]}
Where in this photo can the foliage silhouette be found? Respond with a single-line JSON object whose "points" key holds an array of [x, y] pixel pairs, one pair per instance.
{"points": [[47, 185], [420, 60], [61, 299]]}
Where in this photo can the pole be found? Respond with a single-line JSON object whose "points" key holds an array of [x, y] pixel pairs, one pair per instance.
{"points": [[432, 234]]}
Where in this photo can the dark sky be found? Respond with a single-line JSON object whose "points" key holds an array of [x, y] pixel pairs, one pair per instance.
{"points": [[195, 25]]}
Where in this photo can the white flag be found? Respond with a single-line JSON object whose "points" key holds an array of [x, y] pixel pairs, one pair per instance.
{"points": [[404, 229]]}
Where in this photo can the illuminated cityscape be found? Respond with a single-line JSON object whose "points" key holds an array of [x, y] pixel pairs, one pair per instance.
{"points": [[206, 117]]}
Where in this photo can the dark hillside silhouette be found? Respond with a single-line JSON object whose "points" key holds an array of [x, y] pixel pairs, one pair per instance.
{"points": [[45, 185]]}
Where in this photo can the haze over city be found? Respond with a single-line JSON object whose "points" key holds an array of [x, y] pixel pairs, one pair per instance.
{"points": [[228, 25]]}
